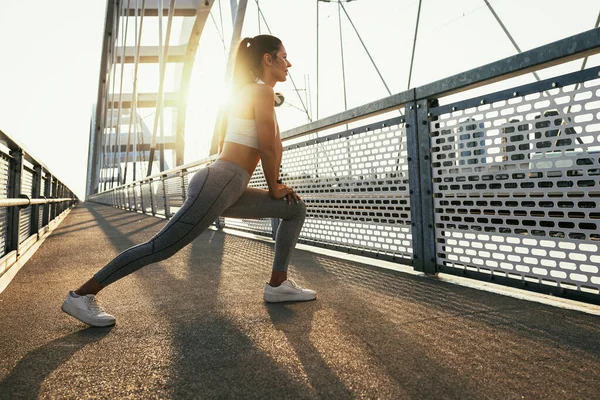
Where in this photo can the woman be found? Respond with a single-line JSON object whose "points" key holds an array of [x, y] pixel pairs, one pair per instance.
{"points": [[251, 135]]}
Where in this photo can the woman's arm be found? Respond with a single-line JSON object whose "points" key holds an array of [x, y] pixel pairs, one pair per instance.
{"points": [[270, 150]]}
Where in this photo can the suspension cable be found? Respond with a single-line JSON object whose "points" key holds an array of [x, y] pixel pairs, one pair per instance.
{"points": [[412, 58], [367, 50], [289, 73], [123, 42], [342, 54]]}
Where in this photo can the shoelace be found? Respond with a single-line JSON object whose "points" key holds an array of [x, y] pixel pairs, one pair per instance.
{"points": [[95, 307], [294, 284]]}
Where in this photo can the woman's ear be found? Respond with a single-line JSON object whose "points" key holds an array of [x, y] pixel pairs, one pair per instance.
{"points": [[268, 59]]}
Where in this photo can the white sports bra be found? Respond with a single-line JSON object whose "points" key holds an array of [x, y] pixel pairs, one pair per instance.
{"points": [[243, 130]]}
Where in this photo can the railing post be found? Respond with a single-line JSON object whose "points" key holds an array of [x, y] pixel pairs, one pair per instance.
{"points": [[14, 190], [426, 188], [414, 177], [37, 185], [153, 206], [46, 208], [54, 193], [142, 197], [183, 188], [163, 178], [133, 188]]}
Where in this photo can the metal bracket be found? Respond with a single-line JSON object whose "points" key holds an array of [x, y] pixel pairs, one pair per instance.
{"points": [[24, 196]]}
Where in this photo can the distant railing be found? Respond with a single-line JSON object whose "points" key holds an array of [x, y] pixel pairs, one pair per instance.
{"points": [[31, 200], [501, 187]]}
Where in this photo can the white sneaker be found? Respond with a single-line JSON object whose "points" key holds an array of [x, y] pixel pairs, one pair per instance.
{"points": [[88, 310], [288, 291]]}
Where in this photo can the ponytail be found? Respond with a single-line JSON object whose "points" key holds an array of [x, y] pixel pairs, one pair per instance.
{"points": [[248, 59]]}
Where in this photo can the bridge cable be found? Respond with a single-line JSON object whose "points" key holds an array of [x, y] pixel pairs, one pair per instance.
{"points": [[258, 16], [123, 41], [366, 50], [342, 57], [112, 106], [317, 105], [159, 115], [289, 73], [115, 163], [537, 77], [108, 106], [412, 58], [133, 120], [220, 32]]}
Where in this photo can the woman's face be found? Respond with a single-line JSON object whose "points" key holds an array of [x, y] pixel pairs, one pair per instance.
{"points": [[280, 64]]}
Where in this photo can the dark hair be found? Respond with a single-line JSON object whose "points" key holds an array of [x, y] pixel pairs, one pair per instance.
{"points": [[248, 60]]}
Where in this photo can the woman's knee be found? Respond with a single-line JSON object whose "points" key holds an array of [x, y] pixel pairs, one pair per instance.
{"points": [[299, 211]]}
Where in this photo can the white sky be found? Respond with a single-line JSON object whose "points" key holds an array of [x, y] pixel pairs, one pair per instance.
{"points": [[51, 55]]}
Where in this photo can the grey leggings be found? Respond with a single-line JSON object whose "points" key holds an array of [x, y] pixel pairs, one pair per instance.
{"points": [[218, 190]]}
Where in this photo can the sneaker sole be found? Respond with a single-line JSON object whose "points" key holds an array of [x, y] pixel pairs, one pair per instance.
{"points": [[67, 311], [282, 298]]}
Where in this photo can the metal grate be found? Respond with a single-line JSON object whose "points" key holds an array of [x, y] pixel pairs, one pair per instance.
{"points": [[158, 195], [25, 214], [516, 187], [174, 189], [4, 171], [355, 185], [41, 207]]}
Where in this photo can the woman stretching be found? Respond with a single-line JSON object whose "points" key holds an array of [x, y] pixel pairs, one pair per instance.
{"points": [[252, 135]]}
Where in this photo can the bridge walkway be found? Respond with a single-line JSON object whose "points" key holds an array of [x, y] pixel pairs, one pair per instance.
{"points": [[195, 326]]}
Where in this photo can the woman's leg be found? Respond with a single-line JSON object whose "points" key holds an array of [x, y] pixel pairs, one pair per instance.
{"points": [[210, 191], [257, 203]]}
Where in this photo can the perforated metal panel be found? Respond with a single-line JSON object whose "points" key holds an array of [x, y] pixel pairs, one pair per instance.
{"points": [[174, 189], [517, 187], [146, 193], [25, 213], [4, 171], [356, 189], [41, 207], [158, 195]]}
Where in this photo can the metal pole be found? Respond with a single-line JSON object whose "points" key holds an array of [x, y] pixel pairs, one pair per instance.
{"points": [[158, 116], [112, 105], [235, 40], [234, 10], [342, 53], [258, 16], [317, 105], [36, 194], [110, 81], [46, 212], [123, 41], [412, 58], [289, 73], [14, 190], [133, 116], [367, 50]]}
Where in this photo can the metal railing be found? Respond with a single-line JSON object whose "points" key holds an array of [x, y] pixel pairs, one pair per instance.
{"points": [[31, 199], [501, 187]]}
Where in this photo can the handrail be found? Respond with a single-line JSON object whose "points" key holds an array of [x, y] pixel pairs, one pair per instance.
{"points": [[558, 52], [27, 202]]}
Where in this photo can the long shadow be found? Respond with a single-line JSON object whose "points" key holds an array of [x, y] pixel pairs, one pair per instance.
{"points": [[296, 324], [460, 319], [416, 330], [451, 301], [25, 379], [213, 358]]}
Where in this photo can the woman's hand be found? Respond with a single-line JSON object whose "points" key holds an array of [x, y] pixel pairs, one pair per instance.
{"points": [[284, 192]]}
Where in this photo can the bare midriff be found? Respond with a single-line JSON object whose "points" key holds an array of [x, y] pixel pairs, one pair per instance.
{"points": [[244, 156]]}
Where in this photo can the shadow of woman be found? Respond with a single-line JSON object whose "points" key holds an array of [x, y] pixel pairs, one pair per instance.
{"points": [[297, 327], [26, 378]]}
